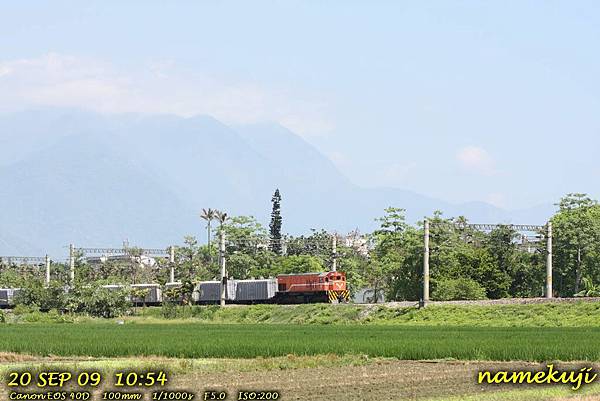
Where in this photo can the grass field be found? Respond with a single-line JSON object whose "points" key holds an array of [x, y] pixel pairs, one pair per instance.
{"points": [[249, 341], [577, 314]]}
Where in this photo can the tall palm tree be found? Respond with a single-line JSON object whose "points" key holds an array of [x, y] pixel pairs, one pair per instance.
{"points": [[209, 215], [221, 218]]}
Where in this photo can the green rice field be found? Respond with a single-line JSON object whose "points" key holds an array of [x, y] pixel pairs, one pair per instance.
{"points": [[194, 340]]}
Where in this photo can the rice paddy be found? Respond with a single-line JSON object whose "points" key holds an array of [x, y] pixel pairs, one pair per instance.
{"points": [[196, 340]]}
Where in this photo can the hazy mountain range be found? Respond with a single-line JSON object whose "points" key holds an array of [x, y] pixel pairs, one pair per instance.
{"points": [[94, 180]]}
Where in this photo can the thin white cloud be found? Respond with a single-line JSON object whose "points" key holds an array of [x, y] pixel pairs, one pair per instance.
{"points": [[497, 199], [476, 160], [158, 87]]}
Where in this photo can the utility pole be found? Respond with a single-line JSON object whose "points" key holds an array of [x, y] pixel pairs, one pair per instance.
{"points": [[47, 270], [549, 262], [425, 298], [334, 253], [72, 263], [223, 271], [172, 263]]}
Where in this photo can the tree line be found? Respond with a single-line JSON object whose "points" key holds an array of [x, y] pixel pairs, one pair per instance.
{"points": [[465, 263]]}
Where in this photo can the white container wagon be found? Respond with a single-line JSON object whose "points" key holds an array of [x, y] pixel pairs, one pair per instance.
{"points": [[250, 291], [153, 294], [7, 296], [209, 292]]}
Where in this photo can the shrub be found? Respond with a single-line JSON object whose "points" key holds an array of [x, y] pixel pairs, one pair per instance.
{"points": [[457, 289], [91, 299], [35, 294], [98, 301], [169, 309], [35, 316], [21, 309], [590, 289]]}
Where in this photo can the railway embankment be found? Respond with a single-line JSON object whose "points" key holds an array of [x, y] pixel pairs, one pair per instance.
{"points": [[575, 312]]}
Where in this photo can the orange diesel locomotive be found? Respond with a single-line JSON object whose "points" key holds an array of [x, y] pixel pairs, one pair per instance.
{"points": [[312, 287]]}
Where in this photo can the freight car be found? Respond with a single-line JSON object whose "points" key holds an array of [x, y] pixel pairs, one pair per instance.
{"points": [[146, 294], [168, 294], [140, 294], [255, 291], [7, 297], [209, 292]]}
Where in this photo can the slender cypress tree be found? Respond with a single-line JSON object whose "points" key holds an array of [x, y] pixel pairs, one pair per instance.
{"points": [[275, 225]]}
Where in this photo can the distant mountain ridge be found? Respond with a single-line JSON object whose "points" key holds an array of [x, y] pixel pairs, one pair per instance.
{"points": [[71, 176]]}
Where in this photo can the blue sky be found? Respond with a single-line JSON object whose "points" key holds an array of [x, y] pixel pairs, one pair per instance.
{"points": [[491, 101]]}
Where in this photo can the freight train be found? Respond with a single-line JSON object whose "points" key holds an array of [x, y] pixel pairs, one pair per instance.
{"points": [[284, 289]]}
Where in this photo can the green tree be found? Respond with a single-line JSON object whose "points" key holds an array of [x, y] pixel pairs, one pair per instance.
{"points": [[138, 295], [190, 263], [457, 289], [247, 248], [353, 259], [479, 265], [245, 234], [35, 293], [298, 264], [15, 276], [497, 276], [458, 251], [262, 263], [275, 225], [317, 243], [396, 259], [241, 265], [95, 300], [451, 241], [182, 293], [135, 262], [528, 277], [576, 230]]}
